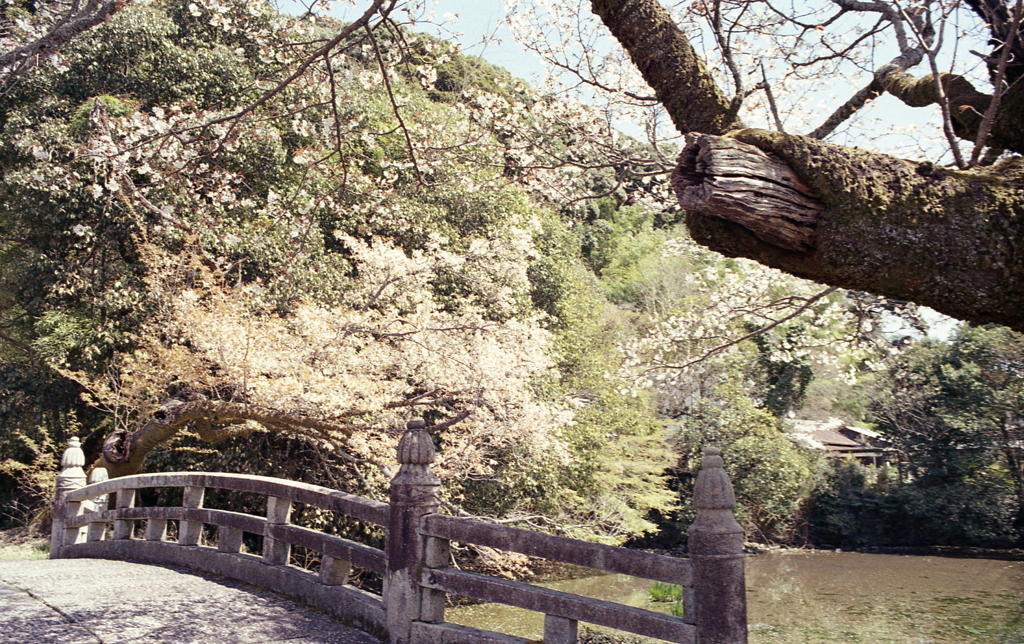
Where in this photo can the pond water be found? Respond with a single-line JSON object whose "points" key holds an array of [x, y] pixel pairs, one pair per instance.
{"points": [[820, 597]]}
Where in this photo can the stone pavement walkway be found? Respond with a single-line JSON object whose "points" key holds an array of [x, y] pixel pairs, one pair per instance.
{"points": [[98, 601]]}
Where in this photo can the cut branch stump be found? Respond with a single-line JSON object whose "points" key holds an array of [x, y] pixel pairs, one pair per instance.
{"points": [[738, 182]]}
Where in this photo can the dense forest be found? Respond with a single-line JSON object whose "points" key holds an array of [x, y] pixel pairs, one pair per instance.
{"points": [[403, 230]]}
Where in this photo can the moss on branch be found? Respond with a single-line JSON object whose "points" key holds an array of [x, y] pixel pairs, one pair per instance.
{"points": [[951, 240]]}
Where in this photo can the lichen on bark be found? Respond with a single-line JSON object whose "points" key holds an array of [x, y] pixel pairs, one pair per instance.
{"points": [[944, 238], [967, 105]]}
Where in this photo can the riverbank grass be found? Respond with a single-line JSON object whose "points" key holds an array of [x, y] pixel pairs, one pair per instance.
{"points": [[662, 592], [21, 543]]}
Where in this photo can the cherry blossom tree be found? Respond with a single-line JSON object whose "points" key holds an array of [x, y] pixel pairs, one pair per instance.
{"points": [[911, 230], [307, 228]]}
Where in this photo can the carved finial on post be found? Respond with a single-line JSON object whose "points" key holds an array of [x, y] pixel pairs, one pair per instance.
{"points": [[413, 494], [716, 548], [416, 447], [713, 490], [71, 477]]}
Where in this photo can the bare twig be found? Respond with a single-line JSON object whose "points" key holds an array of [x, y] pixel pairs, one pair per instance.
{"points": [[715, 19], [808, 303], [771, 99], [394, 105], [931, 53], [451, 421], [908, 57]]}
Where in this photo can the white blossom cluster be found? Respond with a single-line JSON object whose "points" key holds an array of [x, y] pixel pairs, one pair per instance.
{"points": [[728, 301]]}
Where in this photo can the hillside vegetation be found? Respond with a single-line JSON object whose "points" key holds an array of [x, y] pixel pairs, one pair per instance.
{"points": [[400, 231]]}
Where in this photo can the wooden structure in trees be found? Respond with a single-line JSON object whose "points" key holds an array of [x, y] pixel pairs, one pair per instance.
{"points": [[415, 562]]}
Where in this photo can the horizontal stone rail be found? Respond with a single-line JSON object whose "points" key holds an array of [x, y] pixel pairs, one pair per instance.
{"points": [[556, 604], [349, 504], [566, 607], [416, 561], [672, 570], [337, 547]]}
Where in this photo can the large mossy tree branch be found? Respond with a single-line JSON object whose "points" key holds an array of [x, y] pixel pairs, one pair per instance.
{"points": [[967, 105], [951, 240], [679, 77]]}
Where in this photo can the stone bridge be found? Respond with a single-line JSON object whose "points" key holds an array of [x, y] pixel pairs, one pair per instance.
{"points": [[102, 520]]}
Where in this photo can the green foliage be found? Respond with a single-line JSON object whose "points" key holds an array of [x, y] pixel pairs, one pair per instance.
{"points": [[954, 412], [771, 475], [662, 592], [856, 506], [624, 246], [140, 53], [785, 381], [461, 72], [588, 636], [63, 336], [612, 474], [115, 107]]}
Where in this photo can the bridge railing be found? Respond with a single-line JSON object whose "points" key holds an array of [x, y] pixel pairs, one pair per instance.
{"points": [[416, 560], [84, 531]]}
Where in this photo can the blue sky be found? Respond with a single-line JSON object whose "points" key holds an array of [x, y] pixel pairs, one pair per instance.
{"points": [[476, 19]]}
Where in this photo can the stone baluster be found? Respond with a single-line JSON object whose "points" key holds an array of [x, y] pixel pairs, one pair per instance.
{"points": [[413, 495], [71, 477], [156, 529], [334, 572], [100, 503], [123, 528], [560, 630], [189, 532], [437, 554], [276, 551], [716, 549], [229, 539]]}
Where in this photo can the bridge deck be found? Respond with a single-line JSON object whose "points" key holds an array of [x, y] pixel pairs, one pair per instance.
{"points": [[95, 601]]}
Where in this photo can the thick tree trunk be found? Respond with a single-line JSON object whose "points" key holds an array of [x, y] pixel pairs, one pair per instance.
{"points": [[951, 240]]}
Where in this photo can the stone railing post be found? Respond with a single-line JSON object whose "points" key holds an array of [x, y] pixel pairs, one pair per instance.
{"points": [[275, 551], [71, 477], [716, 549], [190, 532], [413, 494]]}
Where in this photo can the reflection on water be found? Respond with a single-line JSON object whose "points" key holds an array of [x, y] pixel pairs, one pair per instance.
{"points": [[826, 597]]}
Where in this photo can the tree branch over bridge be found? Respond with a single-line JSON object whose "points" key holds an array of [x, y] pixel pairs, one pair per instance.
{"points": [[949, 239]]}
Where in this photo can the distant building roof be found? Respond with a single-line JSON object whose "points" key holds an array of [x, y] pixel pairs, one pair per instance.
{"points": [[861, 430], [825, 436], [829, 437]]}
